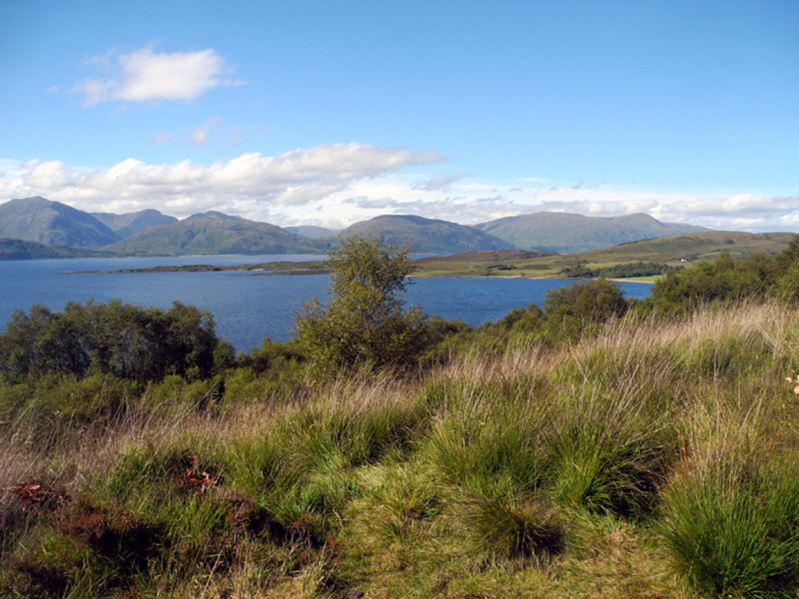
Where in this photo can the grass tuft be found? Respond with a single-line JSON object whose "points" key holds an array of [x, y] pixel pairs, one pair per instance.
{"points": [[509, 527], [731, 522]]}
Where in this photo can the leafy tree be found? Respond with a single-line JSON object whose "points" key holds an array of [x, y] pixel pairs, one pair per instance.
{"points": [[789, 256], [121, 340], [520, 320], [364, 321]]}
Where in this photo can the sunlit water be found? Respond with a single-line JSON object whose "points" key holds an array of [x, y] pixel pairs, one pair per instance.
{"points": [[247, 308]]}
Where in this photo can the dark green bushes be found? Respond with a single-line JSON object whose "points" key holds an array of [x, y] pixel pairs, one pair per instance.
{"points": [[569, 313], [582, 308], [122, 340], [636, 269], [756, 277]]}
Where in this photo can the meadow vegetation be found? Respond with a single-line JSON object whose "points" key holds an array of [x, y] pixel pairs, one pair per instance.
{"points": [[590, 447]]}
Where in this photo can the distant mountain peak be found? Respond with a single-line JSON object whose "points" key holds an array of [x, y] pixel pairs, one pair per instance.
{"points": [[131, 223], [53, 223], [215, 214], [425, 235], [568, 233]]}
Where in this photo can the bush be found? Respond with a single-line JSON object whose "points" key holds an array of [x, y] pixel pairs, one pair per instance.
{"points": [[756, 277], [364, 322], [122, 340], [581, 309], [511, 527]]}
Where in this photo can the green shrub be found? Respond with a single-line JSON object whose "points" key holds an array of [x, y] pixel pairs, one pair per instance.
{"points": [[514, 527], [122, 340], [364, 321], [606, 469], [399, 499], [581, 309], [503, 522], [610, 448]]}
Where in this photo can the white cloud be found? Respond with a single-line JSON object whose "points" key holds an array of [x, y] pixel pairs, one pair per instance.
{"points": [[742, 205], [162, 137], [336, 185], [598, 207], [295, 178], [146, 75]]}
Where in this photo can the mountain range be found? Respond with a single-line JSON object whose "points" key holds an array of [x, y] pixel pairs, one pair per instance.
{"points": [[148, 232], [53, 223], [215, 233]]}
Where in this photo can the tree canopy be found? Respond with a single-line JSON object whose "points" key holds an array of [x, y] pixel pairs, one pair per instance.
{"points": [[365, 320], [112, 337]]}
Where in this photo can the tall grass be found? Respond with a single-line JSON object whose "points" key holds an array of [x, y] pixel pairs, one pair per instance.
{"points": [[657, 457], [731, 518]]}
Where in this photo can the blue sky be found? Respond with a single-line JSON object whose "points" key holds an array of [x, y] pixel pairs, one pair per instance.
{"points": [[326, 113]]}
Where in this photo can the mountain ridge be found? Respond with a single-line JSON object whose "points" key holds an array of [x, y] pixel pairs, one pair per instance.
{"points": [[426, 235], [215, 233], [149, 232], [53, 223], [569, 233], [130, 223]]}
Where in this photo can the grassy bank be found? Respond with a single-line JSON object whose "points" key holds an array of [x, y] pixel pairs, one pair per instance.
{"points": [[656, 459]]}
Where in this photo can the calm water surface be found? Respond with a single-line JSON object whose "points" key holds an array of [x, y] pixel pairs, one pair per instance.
{"points": [[247, 308]]}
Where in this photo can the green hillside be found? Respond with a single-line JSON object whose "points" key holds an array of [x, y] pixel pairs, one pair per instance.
{"points": [[426, 235], [570, 233], [675, 251], [17, 249], [53, 223], [215, 233]]}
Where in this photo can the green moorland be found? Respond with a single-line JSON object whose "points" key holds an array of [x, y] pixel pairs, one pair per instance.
{"points": [[662, 253], [590, 447]]}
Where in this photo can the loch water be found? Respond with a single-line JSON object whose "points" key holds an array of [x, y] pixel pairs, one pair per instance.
{"points": [[248, 307]]}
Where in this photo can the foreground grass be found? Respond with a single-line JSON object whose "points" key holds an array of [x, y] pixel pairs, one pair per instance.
{"points": [[656, 460]]}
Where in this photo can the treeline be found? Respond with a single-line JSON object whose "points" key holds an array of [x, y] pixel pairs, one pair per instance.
{"points": [[112, 338], [758, 276], [621, 271]]}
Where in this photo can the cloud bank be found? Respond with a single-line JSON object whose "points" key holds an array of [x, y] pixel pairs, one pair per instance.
{"points": [[338, 184], [295, 178], [145, 75]]}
